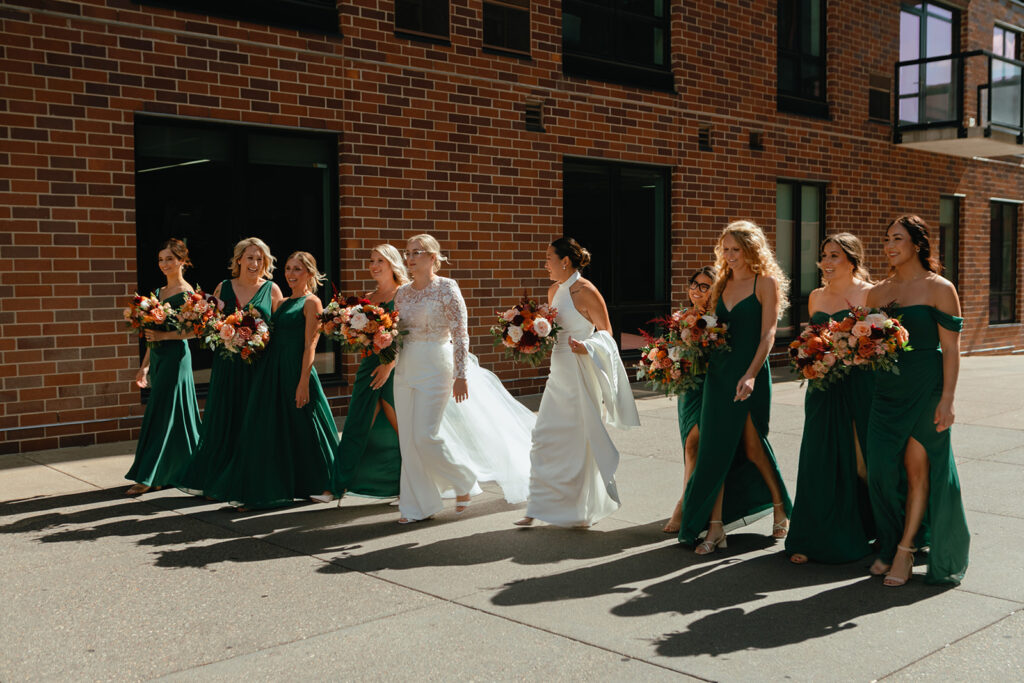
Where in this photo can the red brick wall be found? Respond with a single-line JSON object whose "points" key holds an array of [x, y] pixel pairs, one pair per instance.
{"points": [[431, 139]]}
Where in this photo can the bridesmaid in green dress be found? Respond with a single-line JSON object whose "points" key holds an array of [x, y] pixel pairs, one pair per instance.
{"points": [[736, 478], [285, 448], [912, 477], [170, 427], [231, 379], [368, 461], [688, 405], [831, 512]]}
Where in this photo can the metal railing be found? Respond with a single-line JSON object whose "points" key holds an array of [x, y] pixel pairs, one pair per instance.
{"points": [[930, 93]]}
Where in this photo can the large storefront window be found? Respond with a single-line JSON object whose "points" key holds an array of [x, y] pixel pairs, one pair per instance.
{"points": [[799, 231], [620, 213], [213, 184]]}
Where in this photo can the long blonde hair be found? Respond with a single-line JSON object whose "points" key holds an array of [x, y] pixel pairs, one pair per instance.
{"points": [[758, 256], [431, 246], [309, 263], [394, 259], [235, 265]]}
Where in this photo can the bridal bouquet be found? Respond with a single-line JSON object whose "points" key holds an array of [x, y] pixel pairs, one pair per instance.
{"points": [[677, 361], [197, 313], [361, 327], [243, 334], [147, 313], [527, 331], [870, 338], [814, 357]]}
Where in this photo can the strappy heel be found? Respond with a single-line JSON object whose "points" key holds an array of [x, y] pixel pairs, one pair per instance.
{"points": [[893, 581], [780, 529], [708, 547]]}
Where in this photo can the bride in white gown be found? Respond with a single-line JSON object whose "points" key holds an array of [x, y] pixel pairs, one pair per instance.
{"points": [[445, 443], [572, 482]]}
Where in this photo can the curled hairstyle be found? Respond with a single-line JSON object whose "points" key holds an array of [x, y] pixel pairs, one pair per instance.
{"points": [[919, 236], [568, 247], [431, 246], [235, 264], [394, 259], [758, 256], [309, 263], [179, 249], [851, 246]]}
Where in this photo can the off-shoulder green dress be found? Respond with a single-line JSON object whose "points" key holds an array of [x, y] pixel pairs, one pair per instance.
{"points": [[282, 452], [831, 519], [720, 458], [903, 408], [231, 383], [170, 426]]}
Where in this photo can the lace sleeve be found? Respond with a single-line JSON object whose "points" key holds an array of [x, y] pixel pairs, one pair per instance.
{"points": [[455, 314]]}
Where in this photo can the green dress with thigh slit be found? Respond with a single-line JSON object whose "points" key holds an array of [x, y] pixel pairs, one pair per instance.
{"points": [[368, 461], [721, 460], [903, 408], [231, 383], [170, 426], [831, 519]]}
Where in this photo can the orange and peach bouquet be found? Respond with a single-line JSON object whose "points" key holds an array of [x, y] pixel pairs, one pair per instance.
{"points": [[865, 338], [677, 361], [527, 331], [147, 313], [197, 313], [243, 334], [361, 327]]}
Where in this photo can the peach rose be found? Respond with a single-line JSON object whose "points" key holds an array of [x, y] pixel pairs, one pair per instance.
{"points": [[861, 329]]}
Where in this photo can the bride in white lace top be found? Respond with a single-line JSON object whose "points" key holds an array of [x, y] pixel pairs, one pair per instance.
{"points": [[447, 441]]}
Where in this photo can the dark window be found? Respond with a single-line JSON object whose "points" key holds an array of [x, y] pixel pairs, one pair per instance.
{"points": [[949, 238], [318, 15], [422, 17], [620, 212], [879, 92], [799, 231], [214, 184], [801, 58], [621, 41], [507, 25], [928, 92], [1002, 301]]}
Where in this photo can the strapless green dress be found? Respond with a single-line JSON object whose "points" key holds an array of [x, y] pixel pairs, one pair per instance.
{"points": [[720, 458], [170, 426], [282, 452], [369, 461], [231, 383], [903, 408], [831, 519]]}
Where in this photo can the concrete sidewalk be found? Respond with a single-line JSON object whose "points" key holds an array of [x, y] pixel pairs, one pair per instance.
{"points": [[99, 586]]}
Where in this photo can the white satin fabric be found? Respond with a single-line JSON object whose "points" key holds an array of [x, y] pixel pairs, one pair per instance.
{"points": [[573, 459], [447, 446]]}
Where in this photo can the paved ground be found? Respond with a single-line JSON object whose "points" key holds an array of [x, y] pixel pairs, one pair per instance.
{"points": [[97, 586]]}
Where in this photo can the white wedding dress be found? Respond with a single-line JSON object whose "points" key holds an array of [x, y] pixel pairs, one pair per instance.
{"points": [[447, 445], [572, 482]]}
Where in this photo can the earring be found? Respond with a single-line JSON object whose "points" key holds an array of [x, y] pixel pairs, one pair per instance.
{"points": [[563, 266], [917, 249]]}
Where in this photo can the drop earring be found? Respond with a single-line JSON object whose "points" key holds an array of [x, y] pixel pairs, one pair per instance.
{"points": [[563, 266]]}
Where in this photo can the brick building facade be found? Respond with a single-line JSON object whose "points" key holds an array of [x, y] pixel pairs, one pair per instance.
{"points": [[494, 145]]}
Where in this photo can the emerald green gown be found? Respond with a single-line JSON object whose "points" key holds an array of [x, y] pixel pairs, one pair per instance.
{"points": [[231, 382], [170, 426], [904, 408], [831, 519], [688, 410], [281, 452], [368, 461], [720, 458]]}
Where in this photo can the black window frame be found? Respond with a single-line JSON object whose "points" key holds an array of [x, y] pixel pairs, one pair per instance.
{"points": [[240, 136], [320, 16], [949, 239], [798, 102], [498, 14], [1003, 263], [1016, 45], [623, 242], [615, 68], [956, 84], [417, 27], [798, 301]]}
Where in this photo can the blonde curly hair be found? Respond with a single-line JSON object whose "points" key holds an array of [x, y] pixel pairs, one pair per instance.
{"points": [[758, 256], [235, 264]]}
